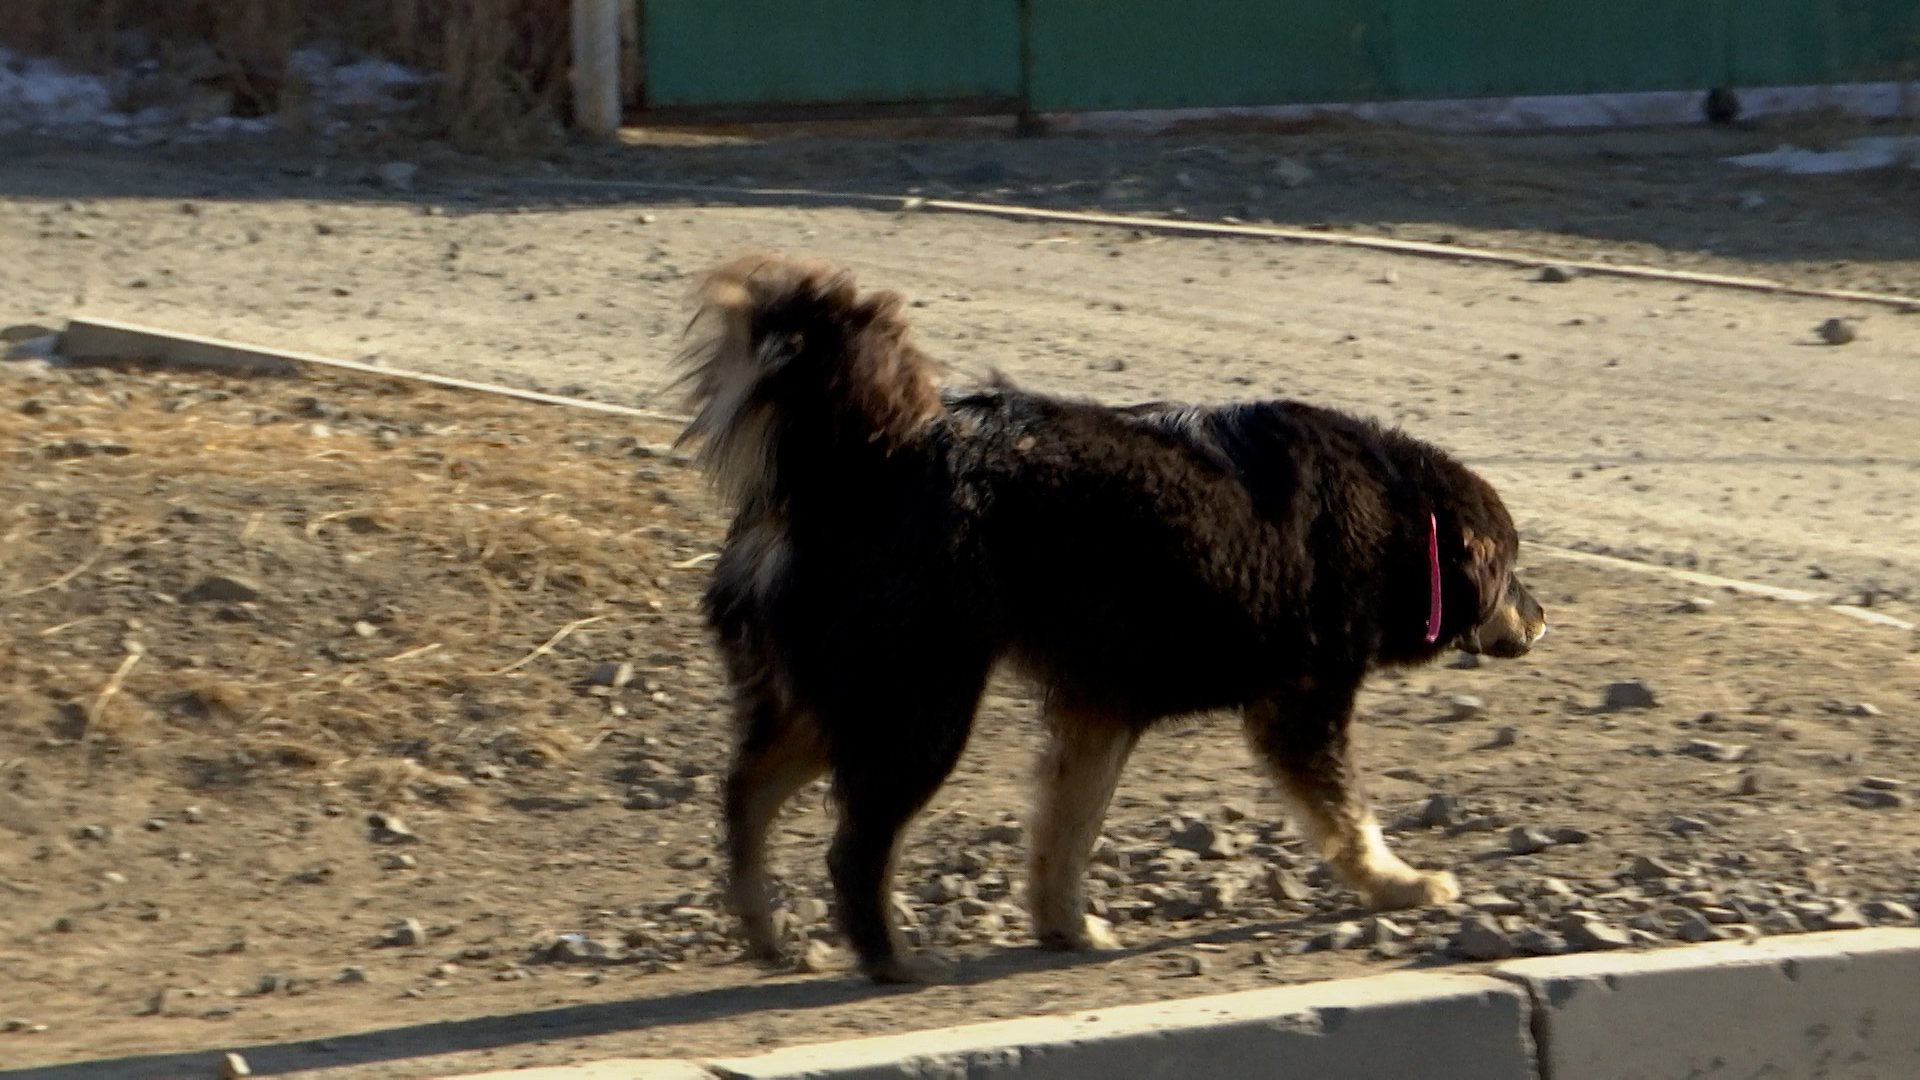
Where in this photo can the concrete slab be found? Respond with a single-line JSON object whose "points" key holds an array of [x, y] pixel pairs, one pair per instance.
{"points": [[1832, 1005], [612, 1069], [1434, 1027]]}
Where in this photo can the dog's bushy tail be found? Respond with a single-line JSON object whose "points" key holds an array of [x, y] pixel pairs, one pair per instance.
{"points": [[788, 360]]}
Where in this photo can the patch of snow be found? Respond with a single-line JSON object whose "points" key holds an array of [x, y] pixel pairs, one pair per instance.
{"points": [[41, 95], [364, 83], [1888, 100], [1855, 155], [36, 93]]}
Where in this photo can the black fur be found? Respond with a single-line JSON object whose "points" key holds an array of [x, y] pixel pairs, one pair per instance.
{"points": [[1137, 564]]}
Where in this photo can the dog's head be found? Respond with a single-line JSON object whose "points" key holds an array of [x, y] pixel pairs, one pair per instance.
{"points": [[1510, 620], [1506, 620]]}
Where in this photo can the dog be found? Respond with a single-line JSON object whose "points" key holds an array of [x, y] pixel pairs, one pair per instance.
{"points": [[892, 544]]}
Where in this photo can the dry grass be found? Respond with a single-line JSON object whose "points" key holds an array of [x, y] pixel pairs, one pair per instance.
{"points": [[502, 64], [435, 573]]}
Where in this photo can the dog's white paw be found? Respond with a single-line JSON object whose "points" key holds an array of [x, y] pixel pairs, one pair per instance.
{"points": [[1094, 934], [903, 969], [1418, 889]]}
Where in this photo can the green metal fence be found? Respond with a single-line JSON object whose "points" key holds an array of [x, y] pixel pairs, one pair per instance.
{"points": [[1080, 55]]}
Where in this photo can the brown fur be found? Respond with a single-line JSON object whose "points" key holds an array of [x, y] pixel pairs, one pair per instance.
{"points": [[890, 546]]}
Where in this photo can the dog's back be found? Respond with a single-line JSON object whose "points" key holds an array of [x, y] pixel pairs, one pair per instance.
{"points": [[890, 546]]}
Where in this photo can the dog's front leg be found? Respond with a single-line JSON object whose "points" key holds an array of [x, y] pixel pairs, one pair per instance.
{"points": [[1303, 740], [1074, 783]]}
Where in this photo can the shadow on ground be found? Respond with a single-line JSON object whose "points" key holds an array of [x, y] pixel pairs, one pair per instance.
{"points": [[1645, 191]]}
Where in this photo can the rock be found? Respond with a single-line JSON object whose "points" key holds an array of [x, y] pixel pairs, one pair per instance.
{"points": [[401, 861], [1534, 941], [1695, 928], [1681, 825], [947, 888], [398, 175], [1887, 911], [1528, 840], [1503, 737], [610, 674], [1750, 782], [1692, 605], [1628, 694], [1493, 903], [1480, 938], [1557, 275], [1379, 930], [816, 958], [1781, 922], [13, 335], [1005, 832], [1284, 885], [351, 976], [1173, 903], [407, 933], [1205, 840], [1837, 331], [1440, 810], [1881, 783], [1189, 965], [389, 829], [1586, 932], [1220, 894], [810, 910], [575, 948], [1866, 798], [233, 1066], [1465, 707], [688, 860], [1708, 750], [1291, 173], [221, 589], [1465, 661], [1649, 868], [658, 794], [1843, 915], [1236, 810], [1567, 834], [1341, 936]]}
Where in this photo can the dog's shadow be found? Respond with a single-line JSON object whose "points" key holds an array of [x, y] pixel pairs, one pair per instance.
{"points": [[773, 991]]}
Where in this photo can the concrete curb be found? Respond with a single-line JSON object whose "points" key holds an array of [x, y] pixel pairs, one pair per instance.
{"points": [[1826, 1005], [1814, 1005], [1464, 1026]]}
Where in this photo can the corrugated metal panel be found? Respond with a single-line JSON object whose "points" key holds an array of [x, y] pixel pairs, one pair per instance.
{"points": [[1470, 48], [806, 52], [1126, 54], [1788, 42], [1134, 54]]}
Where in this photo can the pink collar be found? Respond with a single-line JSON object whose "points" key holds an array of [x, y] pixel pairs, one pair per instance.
{"points": [[1433, 579]]}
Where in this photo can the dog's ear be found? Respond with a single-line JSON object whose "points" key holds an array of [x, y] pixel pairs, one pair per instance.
{"points": [[1486, 569]]}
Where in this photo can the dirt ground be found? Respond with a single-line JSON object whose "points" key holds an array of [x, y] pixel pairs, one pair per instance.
{"points": [[240, 618]]}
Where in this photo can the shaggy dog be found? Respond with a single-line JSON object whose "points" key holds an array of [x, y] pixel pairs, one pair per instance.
{"points": [[893, 544]]}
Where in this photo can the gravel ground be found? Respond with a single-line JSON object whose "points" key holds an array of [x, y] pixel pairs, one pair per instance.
{"points": [[189, 843]]}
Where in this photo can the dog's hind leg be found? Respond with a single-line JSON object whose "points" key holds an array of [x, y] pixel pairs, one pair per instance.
{"points": [[1303, 738], [1075, 779], [890, 753], [779, 752]]}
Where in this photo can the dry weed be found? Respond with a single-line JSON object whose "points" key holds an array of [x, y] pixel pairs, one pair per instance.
{"points": [[414, 584]]}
